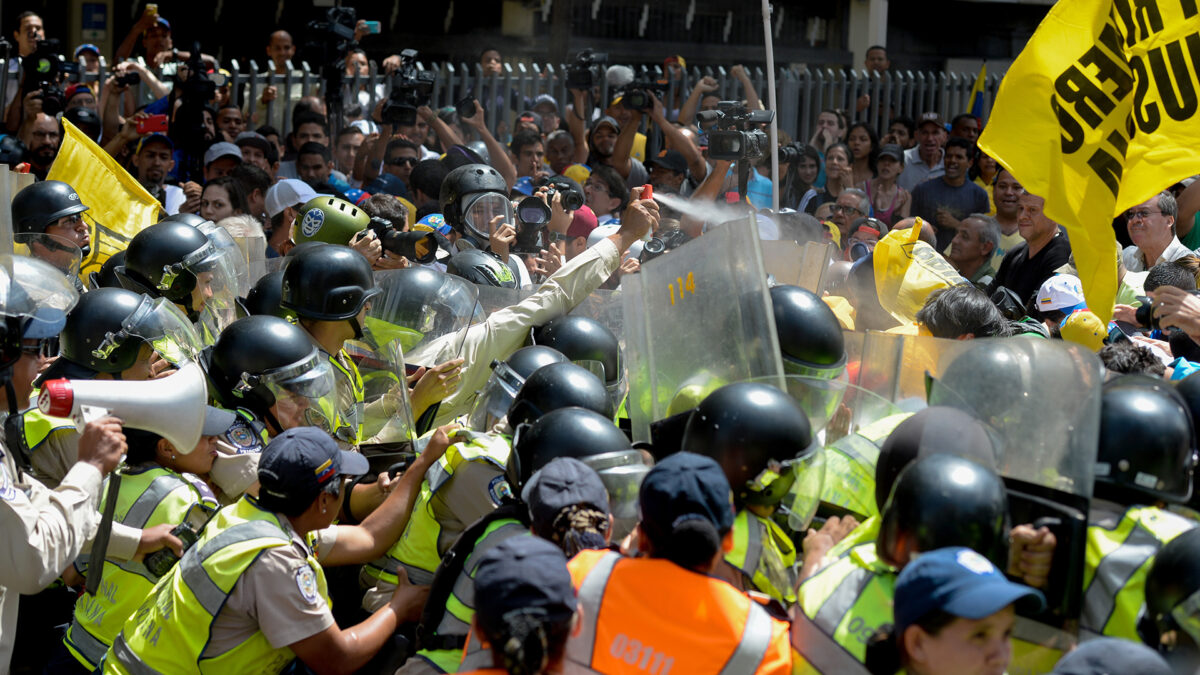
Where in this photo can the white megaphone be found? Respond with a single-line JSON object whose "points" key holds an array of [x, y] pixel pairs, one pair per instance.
{"points": [[172, 407]]}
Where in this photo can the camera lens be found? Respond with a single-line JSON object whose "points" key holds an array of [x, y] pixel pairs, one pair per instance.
{"points": [[1145, 316], [531, 211]]}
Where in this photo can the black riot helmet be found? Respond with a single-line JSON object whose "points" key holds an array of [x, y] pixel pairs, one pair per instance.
{"points": [[1172, 585], [934, 430], [257, 360], [463, 185], [328, 283], [264, 297], [1147, 445], [810, 336], [157, 261], [580, 339], [193, 219], [506, 379], [106, 277], [566, 432], [42, 204], [558, 385], [100, 312], [752, 429], [526, 360], [943, 500], [480, 267]]}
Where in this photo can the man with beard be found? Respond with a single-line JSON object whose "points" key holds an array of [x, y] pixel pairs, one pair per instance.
{"points": [[612, 147], [43, 139], [154, 160]]}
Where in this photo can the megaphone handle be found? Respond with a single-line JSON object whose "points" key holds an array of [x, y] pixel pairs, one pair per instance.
{"points": [[100, 543]]}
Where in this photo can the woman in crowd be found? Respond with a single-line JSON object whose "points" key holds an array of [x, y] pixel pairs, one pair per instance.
{"points": [[864, 149], [890, 201], [223, 197]]}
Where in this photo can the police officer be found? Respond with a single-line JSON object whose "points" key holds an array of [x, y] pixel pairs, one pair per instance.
{"points": [[526, 607], [587, 342], [664, 609], [938, 501], [111, 334], [506, 330], [43, 529], [193, 267], [1170, 620], [250, 594], [763, 441], [264, 298], [482, 268], [328, 288], [52, 208], [1145, 461], [494, 400]]}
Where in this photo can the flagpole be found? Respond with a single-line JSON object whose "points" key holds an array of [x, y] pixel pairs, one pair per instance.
{"points": [[766, 13]]}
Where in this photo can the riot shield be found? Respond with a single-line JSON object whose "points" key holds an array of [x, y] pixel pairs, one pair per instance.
{"points": [[386, 418], [1042, 398], [794, 264], [252, 246], [419, 305], [894, 366], [695, 320], [492, 298]]}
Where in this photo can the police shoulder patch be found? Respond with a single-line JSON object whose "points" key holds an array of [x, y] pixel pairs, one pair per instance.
{"points": [[306, 581], [243, 438], [499, 490]]}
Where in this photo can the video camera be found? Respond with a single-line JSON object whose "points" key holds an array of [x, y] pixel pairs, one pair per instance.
{"points": [[336, 31], [410, 90], [585, 72], [42, 70], [419, 247], [733, 138], [637, 94]]}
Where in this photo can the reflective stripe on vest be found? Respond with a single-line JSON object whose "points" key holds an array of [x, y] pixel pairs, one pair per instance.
{"points": [[751, 649], [846, 614], [171, 630], [98, 619], [821, 651], [350, 413], [417, 549], [461, 604], [764, 555], [1114, 595]]}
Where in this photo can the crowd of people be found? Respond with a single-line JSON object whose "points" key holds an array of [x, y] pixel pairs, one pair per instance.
{"points": [[299, 433]]}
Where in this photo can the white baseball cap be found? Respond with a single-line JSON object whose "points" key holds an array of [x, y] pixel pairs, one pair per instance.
{"points": [[1061, 292], [287, 192]]}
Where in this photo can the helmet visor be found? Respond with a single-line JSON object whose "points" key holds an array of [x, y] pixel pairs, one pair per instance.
{"points": [[159, 323], [64, 255], [1187, 616], [304, 392], [415, 320], [819, 397], [622, 474], [34, 290], [481, 209], [494, 399], [794, 484], [215, 267], [386, 412]]}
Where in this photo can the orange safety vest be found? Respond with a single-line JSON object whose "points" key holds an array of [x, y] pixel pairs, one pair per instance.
{"points": [[710, 627]]}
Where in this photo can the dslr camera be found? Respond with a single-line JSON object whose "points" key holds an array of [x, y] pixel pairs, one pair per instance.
{"points": [[572, 199], [1145, 315], [42, 70], [791, 153], [736, 136], [410, 90], [637, 94], [585, 72], [419, 247]]}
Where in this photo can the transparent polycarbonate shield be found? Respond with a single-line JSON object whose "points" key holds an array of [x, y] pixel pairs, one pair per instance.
{"points": [[894, 366], [252, 247], [1043, 399], [481, 209], [215, 266], [8, 188], [387, 415], [305, 393], [794, 264], [605, 307], [34, 289], [416, 306], [622, 474], [492, 298], [63, 255], [804, 495], [493, 401], [695, 320], [161, 324]]}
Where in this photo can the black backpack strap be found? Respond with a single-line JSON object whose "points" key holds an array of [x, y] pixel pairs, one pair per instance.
{"points": [[447, 573]]}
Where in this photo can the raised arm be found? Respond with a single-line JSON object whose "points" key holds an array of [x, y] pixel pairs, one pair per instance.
{"points": [[620, 160], [752, 101], [577, 123], [677, 140], [447, 135], [497, 153], [687, 114]]}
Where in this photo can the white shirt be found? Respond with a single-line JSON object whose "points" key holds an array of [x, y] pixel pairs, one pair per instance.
{"points": [[1135, 260], [916, 171], [174, 198]]}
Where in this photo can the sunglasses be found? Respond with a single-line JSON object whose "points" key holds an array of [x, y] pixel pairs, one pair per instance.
{"points": [[401, 161], [46, 349]]}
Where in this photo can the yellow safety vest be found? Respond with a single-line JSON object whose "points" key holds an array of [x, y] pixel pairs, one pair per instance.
{"points": [[837, 611], [852, 460], [348, 419], [765, 554], [146, 498], [1116, 564], [460, 606], [417, 550], [170, 630], [38, 427]]}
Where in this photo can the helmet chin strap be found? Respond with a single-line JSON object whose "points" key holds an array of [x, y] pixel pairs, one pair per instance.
{"points": [[358, 331]]}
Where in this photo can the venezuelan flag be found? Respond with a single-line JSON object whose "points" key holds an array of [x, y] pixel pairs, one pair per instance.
{"points": [[975, 103]]}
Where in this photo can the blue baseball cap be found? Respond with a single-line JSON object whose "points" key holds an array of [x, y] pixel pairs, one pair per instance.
{"points": [[155, 138], [434, 222], [298, 463], [563, 482], [387, 184], [87, 47], [957, 581], [522, 573], [684, 486]]}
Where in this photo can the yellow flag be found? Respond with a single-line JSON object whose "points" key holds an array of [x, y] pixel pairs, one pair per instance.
{"points": [[1097, 114], [907, 270], [118, 205]]}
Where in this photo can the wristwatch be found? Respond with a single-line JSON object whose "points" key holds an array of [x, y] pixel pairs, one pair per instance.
{"points": [[558, 236]]}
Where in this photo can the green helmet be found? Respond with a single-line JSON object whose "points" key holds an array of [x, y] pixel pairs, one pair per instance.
{"points": [[329, 220]]}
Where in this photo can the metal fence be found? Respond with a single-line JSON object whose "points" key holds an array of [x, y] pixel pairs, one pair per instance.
{"points": [[801, 95]]}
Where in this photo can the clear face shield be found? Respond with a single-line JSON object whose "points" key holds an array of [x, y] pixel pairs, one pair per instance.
{"points": [[386, 415], [35, 290], [616, 384], [480, 209], [393, 315], [793, 486], [215, 267], [62, 254], [494, 399], [622, 474], [159, 323], [304, 392]]}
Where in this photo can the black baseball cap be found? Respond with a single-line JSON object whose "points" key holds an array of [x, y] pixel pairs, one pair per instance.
{"points": [[672, 160], [522, 573], [563, 482], [683, 486], [892, 150], [298, 463]]}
